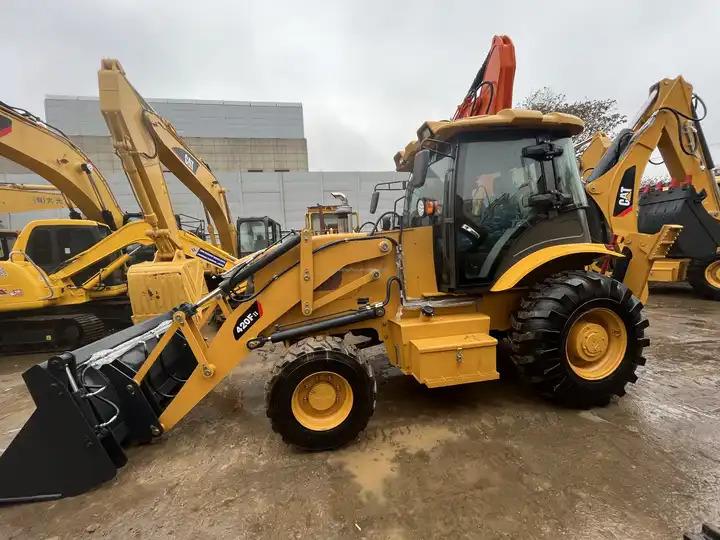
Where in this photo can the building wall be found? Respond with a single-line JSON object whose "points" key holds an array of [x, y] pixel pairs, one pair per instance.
{"points": [[282, 196], [228, 135]]}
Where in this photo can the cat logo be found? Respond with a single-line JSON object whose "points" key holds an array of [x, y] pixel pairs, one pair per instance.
{"points": [[188, 159], [624, 200]]}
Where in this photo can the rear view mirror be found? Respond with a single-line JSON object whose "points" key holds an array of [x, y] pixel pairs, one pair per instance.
{"points": [[542, 152], [420, 165], [374, 198]]}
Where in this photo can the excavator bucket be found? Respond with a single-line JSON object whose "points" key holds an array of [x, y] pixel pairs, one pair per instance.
{"points": [[88, 407], [700, 236]]}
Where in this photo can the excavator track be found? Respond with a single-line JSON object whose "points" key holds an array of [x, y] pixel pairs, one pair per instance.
{"points": [[50, 332]]}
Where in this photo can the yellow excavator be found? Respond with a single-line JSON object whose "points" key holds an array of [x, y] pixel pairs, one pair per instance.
{"points": [[19, 198], [62, 282], [669, 123], [145, 141], [461, 272]]}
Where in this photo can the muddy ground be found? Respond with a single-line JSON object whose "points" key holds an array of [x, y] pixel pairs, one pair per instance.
{"points": [[487, 460]]}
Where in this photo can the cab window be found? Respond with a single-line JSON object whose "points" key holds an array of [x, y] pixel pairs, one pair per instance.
{"points": [[432, 190], [253, 236], [494, 182]]}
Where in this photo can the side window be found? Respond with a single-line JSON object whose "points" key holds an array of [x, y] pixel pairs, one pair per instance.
{"points": [[40, 248], [74, 240], [433, 189]]}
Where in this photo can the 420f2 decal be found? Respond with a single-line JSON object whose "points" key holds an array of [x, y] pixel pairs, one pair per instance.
{"points": [[247, 319]]}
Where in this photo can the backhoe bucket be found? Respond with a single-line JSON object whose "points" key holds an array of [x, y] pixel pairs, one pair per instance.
{"points": [[700, 236], [88, 407]]}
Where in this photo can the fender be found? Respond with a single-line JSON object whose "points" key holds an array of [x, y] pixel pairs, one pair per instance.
{"points": [[535, 260]]}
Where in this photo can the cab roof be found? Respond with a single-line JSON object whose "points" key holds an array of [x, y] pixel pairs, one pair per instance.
{"points": [[444, 130]]}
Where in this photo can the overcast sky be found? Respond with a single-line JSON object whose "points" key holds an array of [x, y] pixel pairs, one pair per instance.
{"points": [[367, 72]]}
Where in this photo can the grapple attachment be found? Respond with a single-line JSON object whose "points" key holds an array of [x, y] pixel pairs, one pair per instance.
{"points": [[88, 407], [700, 236]]}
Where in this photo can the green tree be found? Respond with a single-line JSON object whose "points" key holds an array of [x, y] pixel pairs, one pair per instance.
{"points": [[598, 114]]}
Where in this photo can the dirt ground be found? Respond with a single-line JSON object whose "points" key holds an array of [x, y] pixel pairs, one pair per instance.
{"points": [[487, 460]]}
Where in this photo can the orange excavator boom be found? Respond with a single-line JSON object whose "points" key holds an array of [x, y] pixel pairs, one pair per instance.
{"points": [[491, 90]]}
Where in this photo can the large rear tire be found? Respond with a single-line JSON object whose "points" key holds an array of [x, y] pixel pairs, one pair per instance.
{"points": [[704, 276], [321, 394], [578, 338]]}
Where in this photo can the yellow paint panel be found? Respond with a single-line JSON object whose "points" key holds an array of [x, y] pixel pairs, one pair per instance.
{"points": [[523, 267], [451, 360]]}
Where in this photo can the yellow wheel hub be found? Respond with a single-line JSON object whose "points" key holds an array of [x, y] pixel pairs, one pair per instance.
{"points": [[596, 343], [322, 401], [712, 274]]}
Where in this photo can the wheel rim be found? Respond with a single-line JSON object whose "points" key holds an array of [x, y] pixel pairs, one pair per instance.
{"points": [[322, 401], [712, 274], [596, 343]]}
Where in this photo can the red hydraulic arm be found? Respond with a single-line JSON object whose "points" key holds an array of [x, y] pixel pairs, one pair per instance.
{"points": [[491, 90]]}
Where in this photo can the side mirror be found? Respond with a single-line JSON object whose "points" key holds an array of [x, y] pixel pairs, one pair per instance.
{"points": [[542, 152], [420, 166], [374, 198]]}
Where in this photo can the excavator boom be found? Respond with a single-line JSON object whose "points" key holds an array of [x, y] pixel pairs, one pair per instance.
{"points": [[145, 141], [29, 197], [491, 90], [46, 151]]}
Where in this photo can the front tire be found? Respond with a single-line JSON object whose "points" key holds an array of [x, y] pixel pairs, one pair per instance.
{"points": [[704, 277], [321, 394], [578, 338]]}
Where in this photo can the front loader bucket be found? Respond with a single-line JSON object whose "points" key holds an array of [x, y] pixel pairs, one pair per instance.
{"points": [[700, 236], [87, 411]]}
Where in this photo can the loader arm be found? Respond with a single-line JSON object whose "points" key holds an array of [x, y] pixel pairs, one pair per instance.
{"points": [[46, 151], [29, 197], [145, 141]]}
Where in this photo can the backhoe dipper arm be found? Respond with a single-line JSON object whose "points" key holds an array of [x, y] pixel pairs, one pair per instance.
{"points": [[30, 142], [147, 140]]}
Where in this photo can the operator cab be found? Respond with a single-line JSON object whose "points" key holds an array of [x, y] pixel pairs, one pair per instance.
{"points": [[256, 233], [50, 245], [493, 197]]}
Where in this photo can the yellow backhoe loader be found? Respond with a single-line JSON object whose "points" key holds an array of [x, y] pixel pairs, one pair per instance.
{"points": [[613, 170], [63, 283], [332, 218], [464, 269]]}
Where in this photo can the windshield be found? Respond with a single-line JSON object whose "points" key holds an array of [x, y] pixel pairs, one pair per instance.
{"points": [[568, 174], [253, 236], [336, 223]]}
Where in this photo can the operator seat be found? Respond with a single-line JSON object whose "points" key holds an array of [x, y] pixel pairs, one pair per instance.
{"points": [[612, 155]]}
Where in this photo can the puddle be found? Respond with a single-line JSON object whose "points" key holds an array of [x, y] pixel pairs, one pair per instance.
{"points": [[375, 461]]}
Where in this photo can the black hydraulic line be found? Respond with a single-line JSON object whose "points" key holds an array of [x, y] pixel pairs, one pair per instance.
{"points": [[313, 328], [244, 272]]}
